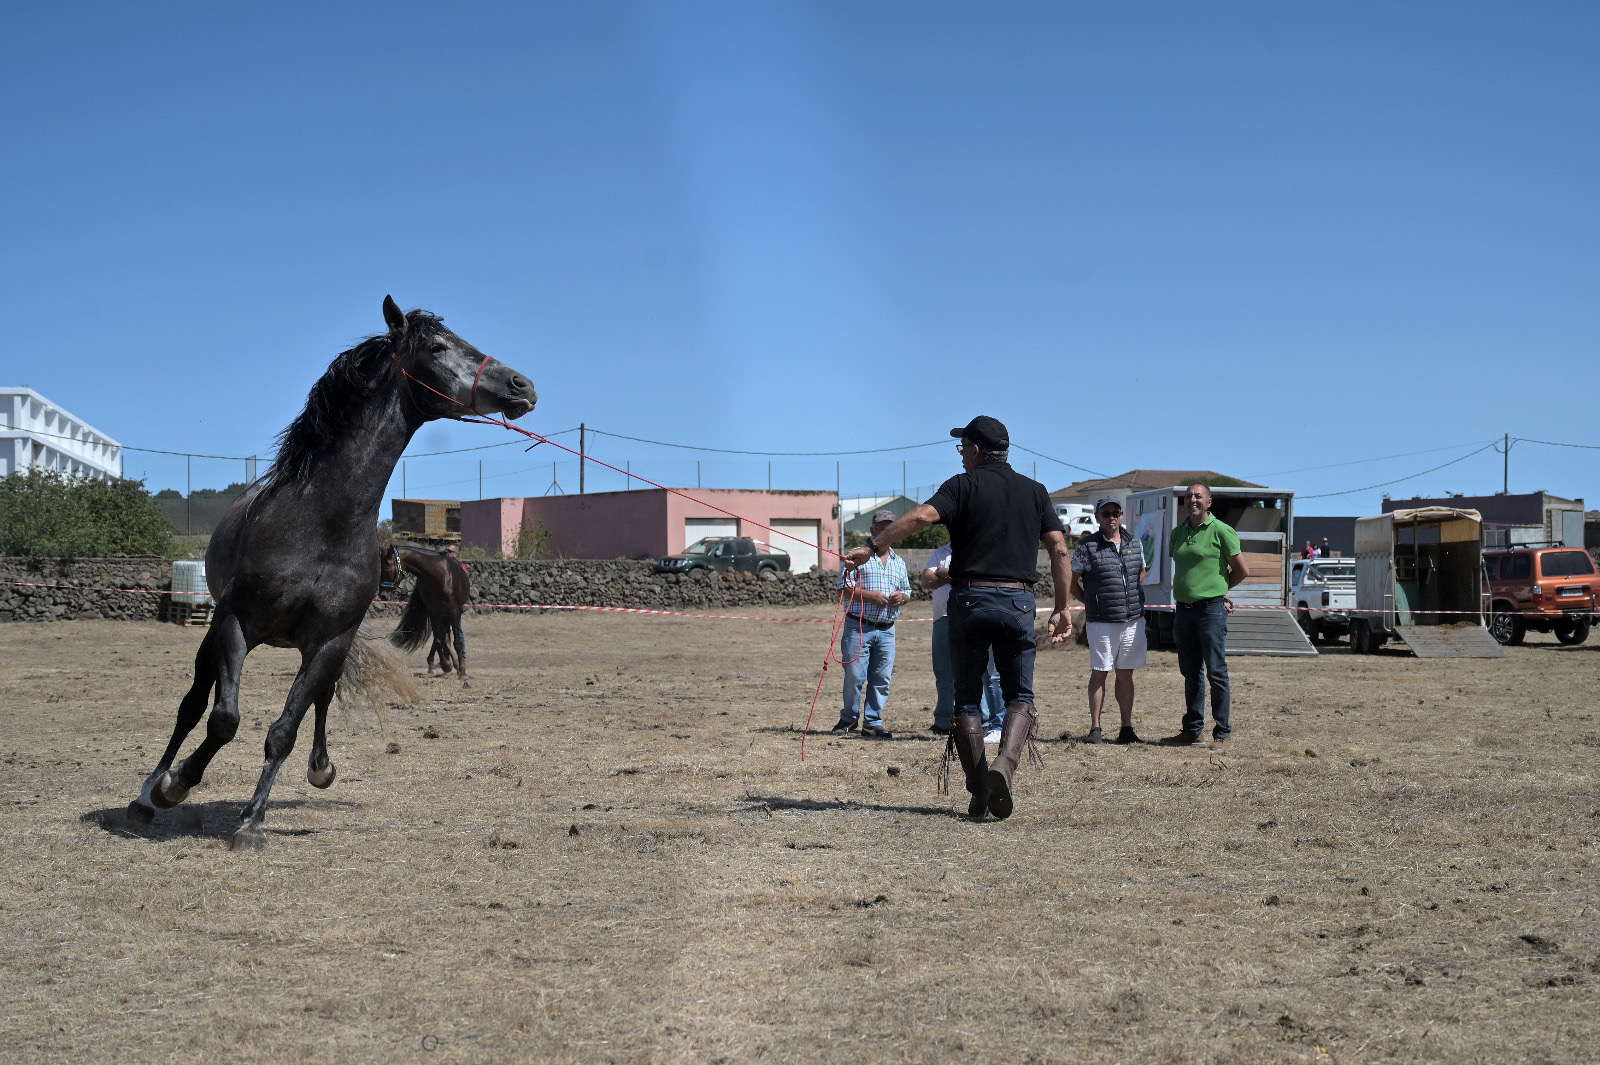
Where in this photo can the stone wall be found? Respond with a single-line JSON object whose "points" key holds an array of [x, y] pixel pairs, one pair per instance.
{"points": [[88, 597], [564, 582]]}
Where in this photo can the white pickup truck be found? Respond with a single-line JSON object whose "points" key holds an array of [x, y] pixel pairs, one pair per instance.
{"points": [[1322, 592], [1077, 519]]}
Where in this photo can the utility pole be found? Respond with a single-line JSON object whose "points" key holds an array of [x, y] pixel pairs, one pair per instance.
{"points": [[769, 475], [697, 473], [480, 478], [188, 495], [1505, 485], [902, 477], [583, 449], [404, 492]]}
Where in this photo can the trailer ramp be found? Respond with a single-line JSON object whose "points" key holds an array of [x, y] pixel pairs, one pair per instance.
{"points": [[1268, 632], [1449, 641]]}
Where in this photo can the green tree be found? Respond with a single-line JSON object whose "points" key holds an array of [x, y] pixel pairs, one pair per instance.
{"points": [[233, 491], [44, 514], [935, 535]]}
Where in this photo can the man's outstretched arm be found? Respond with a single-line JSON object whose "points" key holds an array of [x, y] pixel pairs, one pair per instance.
{"points": [[914, 520]]}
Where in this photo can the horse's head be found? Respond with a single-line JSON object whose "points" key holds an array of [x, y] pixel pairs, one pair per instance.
{"points": [[388, 568], [448, 377]]}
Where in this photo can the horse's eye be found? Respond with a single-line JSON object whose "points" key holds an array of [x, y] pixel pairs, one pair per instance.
{"points": [[439, 347]]}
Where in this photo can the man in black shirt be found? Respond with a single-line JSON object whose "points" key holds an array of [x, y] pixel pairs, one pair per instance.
{"points": [[996, 518]]}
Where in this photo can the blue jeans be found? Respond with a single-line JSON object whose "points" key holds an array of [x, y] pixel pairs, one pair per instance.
{"points": [[868, 656], [1200, 630], [944, 683], [997, 622]]}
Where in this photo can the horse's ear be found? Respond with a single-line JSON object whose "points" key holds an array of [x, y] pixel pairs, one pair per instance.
{"points": [[394, 316]]}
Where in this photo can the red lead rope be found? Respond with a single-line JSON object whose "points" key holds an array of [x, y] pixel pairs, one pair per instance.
{"points": [[849, 593], [537, 440]]}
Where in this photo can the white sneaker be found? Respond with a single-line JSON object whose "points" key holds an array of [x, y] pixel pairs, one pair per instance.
{"points": [[992, 736]]}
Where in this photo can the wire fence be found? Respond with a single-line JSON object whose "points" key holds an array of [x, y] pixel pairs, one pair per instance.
{"points": [[501, 468]]}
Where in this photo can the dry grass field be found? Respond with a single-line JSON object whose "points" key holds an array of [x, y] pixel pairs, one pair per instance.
{"points": [[608, 849]]}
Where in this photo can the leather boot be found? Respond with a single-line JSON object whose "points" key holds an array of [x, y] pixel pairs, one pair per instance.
{"points": [[1021, 722], [968, 734]]}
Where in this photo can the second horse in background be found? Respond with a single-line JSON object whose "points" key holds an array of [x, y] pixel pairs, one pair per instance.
{"points": [[439, 596]]}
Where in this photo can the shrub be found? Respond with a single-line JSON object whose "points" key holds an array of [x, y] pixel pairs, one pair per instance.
{"points": [[44, 514]]}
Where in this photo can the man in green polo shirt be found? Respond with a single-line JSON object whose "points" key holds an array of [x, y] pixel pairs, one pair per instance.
{"points": [[1205, 564]]}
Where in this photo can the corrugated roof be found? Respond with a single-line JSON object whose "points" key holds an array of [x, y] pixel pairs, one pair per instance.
{"points": [[1138, 480]]}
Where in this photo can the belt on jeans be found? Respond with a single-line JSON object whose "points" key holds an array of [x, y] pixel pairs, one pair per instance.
{"points": [[992, 584], [1202, 602], [869, 624]]}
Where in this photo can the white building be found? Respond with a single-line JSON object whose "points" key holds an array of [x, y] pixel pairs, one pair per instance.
{"points": [[36, 432]]}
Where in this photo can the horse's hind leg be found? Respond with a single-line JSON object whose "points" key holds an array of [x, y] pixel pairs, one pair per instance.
{"points": [[441, 645], [319, 671], [190, 711], [461, 650]]}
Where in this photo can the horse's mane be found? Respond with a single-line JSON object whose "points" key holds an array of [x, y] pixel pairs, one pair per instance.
{"points": [[353, 378]]}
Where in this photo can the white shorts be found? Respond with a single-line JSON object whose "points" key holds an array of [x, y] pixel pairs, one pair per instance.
{"points": [[1116, 645]]}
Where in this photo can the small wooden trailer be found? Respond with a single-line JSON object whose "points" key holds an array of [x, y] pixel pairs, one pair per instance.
{"points": [[1419, 580], [1262, 623]]}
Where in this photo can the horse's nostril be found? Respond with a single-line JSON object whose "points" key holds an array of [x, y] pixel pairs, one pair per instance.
{"points": [[518, 382]]}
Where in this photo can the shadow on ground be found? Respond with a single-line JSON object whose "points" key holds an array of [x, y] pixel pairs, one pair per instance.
{"points": [[778, 802], [196, 820]]}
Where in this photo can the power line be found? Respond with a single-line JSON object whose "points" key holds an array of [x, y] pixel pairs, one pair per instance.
{"points": [[130, 447], [1397, 480], [247, 458], [484, 447], [1552, 443], [1359, 462], [773, 454], [1059, 462]]}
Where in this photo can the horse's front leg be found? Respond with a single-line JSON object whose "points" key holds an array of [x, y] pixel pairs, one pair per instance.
{"points": [[190, 711], [319, 672], [228, 649]]}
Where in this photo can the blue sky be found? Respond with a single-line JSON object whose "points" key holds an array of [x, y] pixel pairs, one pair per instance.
{"points": [[1258, 238]]}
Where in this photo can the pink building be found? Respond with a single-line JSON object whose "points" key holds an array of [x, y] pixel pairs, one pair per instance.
{"points": [[653, 522]]}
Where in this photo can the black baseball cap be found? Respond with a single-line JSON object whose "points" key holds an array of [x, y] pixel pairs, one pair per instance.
{"points": [[988, 433]]}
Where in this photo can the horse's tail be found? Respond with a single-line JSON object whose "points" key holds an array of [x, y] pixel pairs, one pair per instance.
{"points": [[414, 625], [372, 675]]}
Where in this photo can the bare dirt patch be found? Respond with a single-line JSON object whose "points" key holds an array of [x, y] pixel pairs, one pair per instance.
{"points": [[608, 850]]}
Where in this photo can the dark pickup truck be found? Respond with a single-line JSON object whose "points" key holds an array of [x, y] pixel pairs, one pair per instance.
{"points": [[718, 554]]}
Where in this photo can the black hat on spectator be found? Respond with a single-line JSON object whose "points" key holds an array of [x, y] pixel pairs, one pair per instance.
{"points": [[988, 433]]}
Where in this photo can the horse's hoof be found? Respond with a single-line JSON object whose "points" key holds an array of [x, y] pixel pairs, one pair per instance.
{"points": [[465, 683], [141, 812], [167, 792], [249, 838], [322, 778]]}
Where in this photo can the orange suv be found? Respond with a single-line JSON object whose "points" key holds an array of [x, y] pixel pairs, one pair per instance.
{"points": [[1547, 589]]}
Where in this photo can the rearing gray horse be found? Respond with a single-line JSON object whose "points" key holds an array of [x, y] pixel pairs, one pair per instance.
{"points": [[295, 561]]}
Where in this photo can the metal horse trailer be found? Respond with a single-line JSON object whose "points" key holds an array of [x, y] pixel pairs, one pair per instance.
{"points": [[1262, 623], [1419, 580]]}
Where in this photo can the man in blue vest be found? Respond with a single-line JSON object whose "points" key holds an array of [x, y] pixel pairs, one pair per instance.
{"points": [[1108, 577]]}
